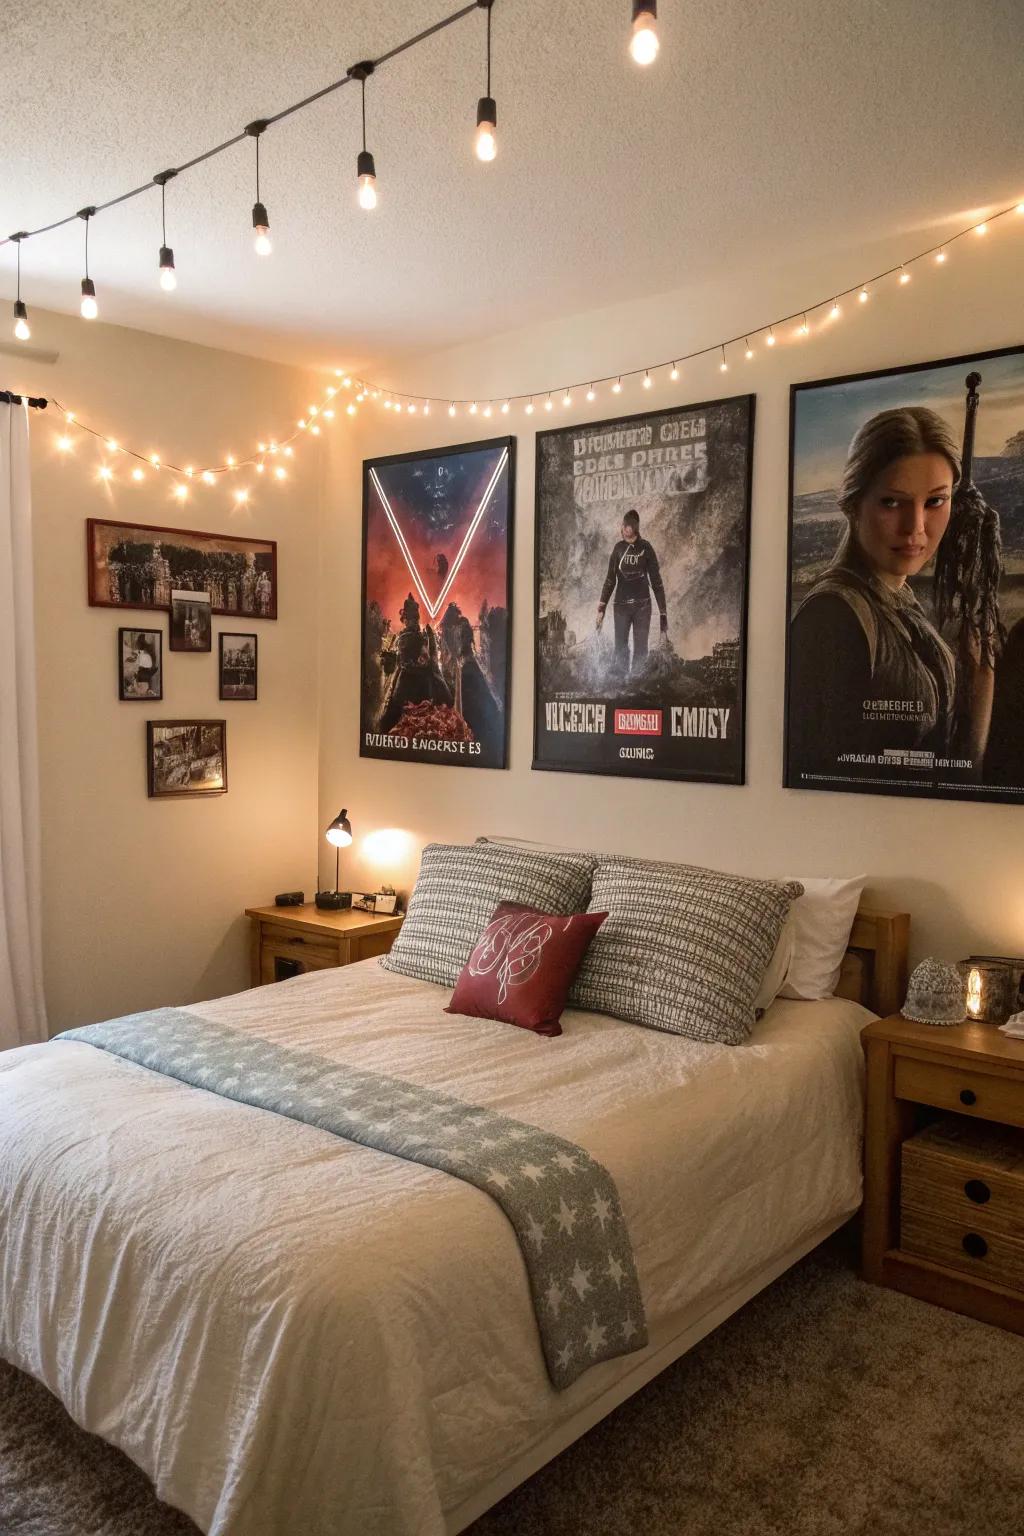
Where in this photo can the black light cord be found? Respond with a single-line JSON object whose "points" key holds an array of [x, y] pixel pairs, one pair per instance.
{"points": [[256, 136], [362, 82], [163, 212], [296, 106], [489, 9]]}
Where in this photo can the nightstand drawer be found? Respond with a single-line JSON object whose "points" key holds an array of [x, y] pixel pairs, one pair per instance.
{"points": [[966, 1172], [966, 1092], [972, 1248], [293, 939]]}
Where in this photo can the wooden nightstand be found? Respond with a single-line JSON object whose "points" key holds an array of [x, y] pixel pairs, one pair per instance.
{"points": [[289, 940], [952, 1232]]}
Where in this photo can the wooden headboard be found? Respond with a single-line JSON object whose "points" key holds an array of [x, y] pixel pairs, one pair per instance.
{"points": [[874, 968]]}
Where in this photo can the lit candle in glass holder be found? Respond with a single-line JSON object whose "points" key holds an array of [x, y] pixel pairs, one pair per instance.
{"points": [[974, 993]]}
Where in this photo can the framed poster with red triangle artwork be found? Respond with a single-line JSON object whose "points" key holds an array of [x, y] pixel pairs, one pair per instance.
{"points": [[437, 605]]}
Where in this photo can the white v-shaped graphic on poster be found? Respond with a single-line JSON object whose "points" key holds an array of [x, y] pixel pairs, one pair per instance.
{"points": [[434, 607]]}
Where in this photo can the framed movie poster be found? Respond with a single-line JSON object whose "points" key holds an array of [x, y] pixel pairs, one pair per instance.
{"points": [[135, 565], [437, 602], [905, 655], [641, 573]]}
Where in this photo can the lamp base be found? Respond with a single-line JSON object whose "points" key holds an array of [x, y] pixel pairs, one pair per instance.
{"points": [[333, 901]]}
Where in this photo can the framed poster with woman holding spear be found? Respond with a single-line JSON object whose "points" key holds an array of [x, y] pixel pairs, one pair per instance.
{"points": [[905, 656]]}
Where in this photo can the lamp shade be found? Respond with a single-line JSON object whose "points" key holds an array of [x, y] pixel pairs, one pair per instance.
{"points": [[339, 833]]}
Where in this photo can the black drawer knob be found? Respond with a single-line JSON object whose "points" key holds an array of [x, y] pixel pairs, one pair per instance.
{"points": [[968, 1096], [978, 1191], [975, 1245]]}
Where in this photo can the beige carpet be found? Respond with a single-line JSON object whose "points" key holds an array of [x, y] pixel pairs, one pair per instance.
{"points": [[825, 1408]]}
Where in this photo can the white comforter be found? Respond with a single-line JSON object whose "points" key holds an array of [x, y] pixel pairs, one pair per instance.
{"points": [[295, 1334]]}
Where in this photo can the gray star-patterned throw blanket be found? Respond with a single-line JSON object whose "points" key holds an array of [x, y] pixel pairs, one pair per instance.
{"points": [[563, 1205]]}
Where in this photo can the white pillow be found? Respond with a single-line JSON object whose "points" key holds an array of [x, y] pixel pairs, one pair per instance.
{"points": [[822, 919], [778, 966]]}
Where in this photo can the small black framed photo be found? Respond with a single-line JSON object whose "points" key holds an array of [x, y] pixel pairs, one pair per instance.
{"points": [[186, 758], [191, 621], [140, 664], [238, 666]]}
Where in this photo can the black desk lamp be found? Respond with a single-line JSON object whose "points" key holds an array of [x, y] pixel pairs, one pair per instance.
{"points": [[339, 833]]}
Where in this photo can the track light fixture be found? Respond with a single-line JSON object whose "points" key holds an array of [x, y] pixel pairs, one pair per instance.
{"points": [[168, 276], [486, 110], [89, 308], [22, 329], [366, 171], [643, 44], [260, 218]]}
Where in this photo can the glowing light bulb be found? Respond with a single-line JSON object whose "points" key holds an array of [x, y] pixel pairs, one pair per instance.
{"points": [[69, 415], [347, 381], [387, 405], [643, 44], [426, 408], [366, 176], [451, 410], [472, 409], [504, 409], [207, 477], [647, 381], [350, 408], [261, 243], [675, 373], [835, 311], [904, 277], [105, 471], [289, 452], [940, 257], [315, 431], [230, 461], [168, 276], [329, 415], [617, 387], [260, 468], [1020, 207], [567, 398], [137, 474], [590, 393], [486, 143], [981, 229], [769, 340], [748, 354], [64, 444], [803, 329], [111, 445], [547, 404], [22, 329], [487, 410], [529, 408], [189, 471], [89, 309], [181, 492], [155, 461], [241, 497], [862, 297], [280, 472], [723, 366]]}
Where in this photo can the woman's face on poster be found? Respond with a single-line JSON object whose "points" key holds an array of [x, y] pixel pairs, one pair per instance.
{"points": [[900, 522]]}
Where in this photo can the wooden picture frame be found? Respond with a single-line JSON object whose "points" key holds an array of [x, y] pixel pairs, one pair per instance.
{"points": [[164, 767], [238, 691], [129, 670], [181, 558], [191, 627]]}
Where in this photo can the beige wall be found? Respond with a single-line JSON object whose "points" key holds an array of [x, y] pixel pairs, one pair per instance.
{"points": [[959, 869], [143, 898]]}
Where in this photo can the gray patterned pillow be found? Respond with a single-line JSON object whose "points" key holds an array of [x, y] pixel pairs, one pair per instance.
{"points": [[682, 949], [457, 891]]}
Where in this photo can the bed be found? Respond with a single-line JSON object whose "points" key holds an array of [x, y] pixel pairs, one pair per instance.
{"points": [[290, 1332]]}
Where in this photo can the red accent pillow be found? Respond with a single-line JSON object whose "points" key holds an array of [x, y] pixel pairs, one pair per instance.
{"points": [[523, 965]]}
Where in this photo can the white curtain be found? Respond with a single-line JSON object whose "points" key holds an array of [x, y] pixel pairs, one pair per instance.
{"points": [[22, 1010]]}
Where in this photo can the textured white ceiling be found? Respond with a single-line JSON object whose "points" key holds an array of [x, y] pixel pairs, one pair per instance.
{"points": [[765, 127]]}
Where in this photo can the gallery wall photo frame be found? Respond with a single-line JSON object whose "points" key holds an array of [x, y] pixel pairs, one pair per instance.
{"points": [[437, 596], [186, 759], [657, 688], [238, 665], [191, 626], [136, 565], [905, 725], [140, 665]]}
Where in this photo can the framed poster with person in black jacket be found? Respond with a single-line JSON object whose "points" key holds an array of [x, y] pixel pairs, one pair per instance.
{"points": [[641, 546]]}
